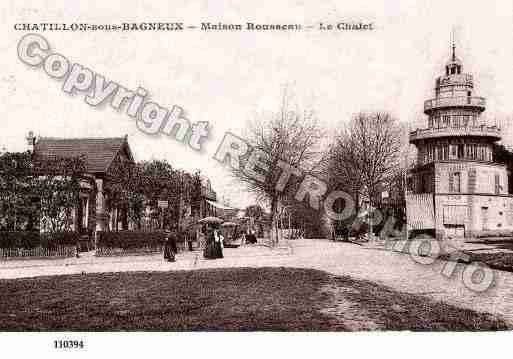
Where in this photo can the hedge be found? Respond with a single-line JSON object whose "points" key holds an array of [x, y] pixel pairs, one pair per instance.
{"points": [[132, 242], [30, 240], [129, 239]]}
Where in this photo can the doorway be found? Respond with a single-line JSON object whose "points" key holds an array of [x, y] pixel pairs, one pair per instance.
{"points": [[484, 218]]}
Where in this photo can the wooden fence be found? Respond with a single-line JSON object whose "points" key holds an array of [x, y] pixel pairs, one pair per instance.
{"points": [[38, 252]]}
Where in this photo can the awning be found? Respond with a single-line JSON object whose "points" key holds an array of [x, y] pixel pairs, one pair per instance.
{"points": [[219, 205]]}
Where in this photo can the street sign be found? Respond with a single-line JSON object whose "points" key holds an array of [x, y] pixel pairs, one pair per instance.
{"points": [[163, 204]]}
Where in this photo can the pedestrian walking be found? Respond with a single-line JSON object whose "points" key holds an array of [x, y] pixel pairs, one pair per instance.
{"points": [[170, 247]]}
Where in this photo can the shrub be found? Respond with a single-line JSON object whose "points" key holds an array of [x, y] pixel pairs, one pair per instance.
{"points": [[19, 239], [52, 240]]}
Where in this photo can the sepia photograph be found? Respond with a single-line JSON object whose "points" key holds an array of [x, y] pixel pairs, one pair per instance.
{"points": [[264, 178]]}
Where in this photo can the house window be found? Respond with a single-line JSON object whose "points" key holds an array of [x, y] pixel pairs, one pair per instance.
{"points": [[422, 188], [455, 182], [409, 183]]}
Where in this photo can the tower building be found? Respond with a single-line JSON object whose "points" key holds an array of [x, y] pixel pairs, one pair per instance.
{"points": [[456, 189]]}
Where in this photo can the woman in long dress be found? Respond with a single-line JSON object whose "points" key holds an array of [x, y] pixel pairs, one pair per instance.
{"points": [[210, 251], [219, 244]]}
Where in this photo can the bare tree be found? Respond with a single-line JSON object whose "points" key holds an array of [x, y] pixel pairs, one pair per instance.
{"points": [[366, 154], [287, 137]]}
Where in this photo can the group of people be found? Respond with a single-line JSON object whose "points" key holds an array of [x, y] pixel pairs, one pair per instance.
{"points": [[213, 242], [250, 237]]}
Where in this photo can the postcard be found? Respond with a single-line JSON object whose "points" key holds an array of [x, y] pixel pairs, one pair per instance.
{"points": [[265, 178]]}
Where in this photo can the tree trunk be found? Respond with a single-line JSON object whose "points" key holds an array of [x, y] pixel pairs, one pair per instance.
{"points": [[274, 221]]}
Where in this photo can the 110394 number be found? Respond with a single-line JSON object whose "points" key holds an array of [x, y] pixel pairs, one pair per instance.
{"points": [[68, 344]]}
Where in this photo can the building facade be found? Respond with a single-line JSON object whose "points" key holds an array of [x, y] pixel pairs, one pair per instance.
{"points": [[102, 156], [456, 189]]}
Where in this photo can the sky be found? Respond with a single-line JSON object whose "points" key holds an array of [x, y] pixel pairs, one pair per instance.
{"points": [[225, 77]]}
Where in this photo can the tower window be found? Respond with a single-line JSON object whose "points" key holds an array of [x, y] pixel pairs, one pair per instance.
{"points": [[497, 184], [446, 152], [461, 152]]}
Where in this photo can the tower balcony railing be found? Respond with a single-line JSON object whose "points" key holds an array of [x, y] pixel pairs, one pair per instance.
{"points": [[479, 131], [459, 79], [458, 101]]}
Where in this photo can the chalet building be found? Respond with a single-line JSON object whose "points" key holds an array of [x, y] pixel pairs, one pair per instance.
{"points": [[456, 188], [102, 156]]}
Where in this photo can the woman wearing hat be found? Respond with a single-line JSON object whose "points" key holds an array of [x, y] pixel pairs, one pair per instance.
{"points": [[170, 247], [210, 251]]}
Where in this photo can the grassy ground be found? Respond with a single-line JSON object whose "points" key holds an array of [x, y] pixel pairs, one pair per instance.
{"points": [[220, 299]]}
